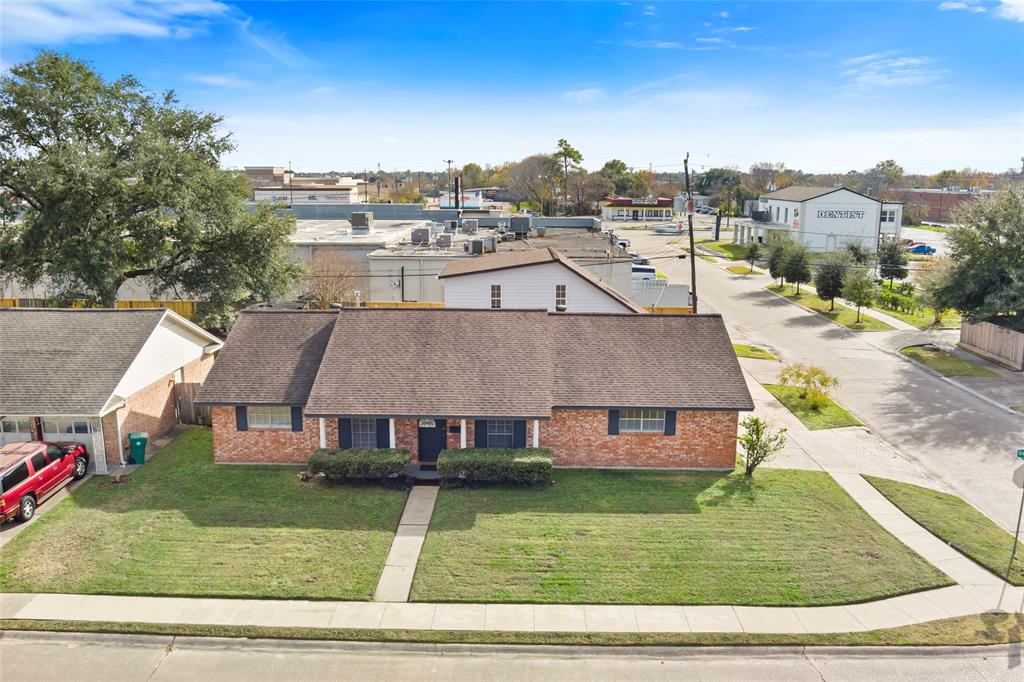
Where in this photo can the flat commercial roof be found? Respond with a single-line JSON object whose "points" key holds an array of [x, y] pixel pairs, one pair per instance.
{"points": [[340, 232]]}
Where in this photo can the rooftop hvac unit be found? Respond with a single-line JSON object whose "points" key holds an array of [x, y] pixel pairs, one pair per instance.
{"points": [[520, 225], [490, 244], [476, 246], [444, 240], [362, 221], [421, 235], [470, 225], [451, 225]]}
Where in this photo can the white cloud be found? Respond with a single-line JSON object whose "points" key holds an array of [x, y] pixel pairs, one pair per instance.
{"points": [[220, 80], [650, 11], [273, 44], [973, 6], [735, 29], [322, 90], [584, 95], [723, 14], [712, 40], [666, 45], [884, 69], [49, 22], [1011, 9]]}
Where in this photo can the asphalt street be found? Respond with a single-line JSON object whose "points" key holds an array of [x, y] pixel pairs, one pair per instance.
{"points": [[43, 657], [966, 445]]}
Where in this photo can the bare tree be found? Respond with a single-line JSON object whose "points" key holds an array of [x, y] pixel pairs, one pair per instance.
{"points": [[586, 190], [532, 179], [334, 277]]}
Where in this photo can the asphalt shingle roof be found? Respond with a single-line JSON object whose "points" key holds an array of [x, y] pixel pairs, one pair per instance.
{"points": [[270, 357], [476, 363], [436, 363], [681, 362], [67, 361]]}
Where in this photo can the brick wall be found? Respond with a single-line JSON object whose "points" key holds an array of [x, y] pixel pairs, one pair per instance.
{"points": [[580, 438], [575, 437], [150, 410], [278, 446]]}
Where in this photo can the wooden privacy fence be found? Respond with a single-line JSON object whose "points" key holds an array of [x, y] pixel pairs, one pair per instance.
{"points": [[188, 411], [1003, 345]]}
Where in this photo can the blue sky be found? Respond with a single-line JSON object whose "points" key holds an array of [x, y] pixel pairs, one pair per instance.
{"points": [[826, 86]]}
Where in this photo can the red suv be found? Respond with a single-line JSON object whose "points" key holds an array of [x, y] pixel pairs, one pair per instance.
{"points": [[31, 472]]}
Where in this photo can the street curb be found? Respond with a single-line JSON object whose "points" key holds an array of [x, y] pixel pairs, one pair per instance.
{"points": [[953, 382], [518, 650]]}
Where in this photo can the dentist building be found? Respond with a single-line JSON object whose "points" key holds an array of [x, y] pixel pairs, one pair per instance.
{"points": [[827, 218]]}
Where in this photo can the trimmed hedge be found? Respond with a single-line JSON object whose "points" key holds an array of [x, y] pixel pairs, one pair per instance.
{"points": [[359, 463], [523, 466]]}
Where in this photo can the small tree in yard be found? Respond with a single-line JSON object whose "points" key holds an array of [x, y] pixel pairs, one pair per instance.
{"points": [[797, 265], [830, 277], [776, 258], [857, 252], [933, 278], [860, 289], [892, 260], [753, 252], [759, 442], [814, 383]]}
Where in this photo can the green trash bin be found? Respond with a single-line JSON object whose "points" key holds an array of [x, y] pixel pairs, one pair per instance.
{"points": [[137, 447]]}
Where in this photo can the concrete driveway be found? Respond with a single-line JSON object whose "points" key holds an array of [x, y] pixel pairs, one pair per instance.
{"points": [[966, 445]]}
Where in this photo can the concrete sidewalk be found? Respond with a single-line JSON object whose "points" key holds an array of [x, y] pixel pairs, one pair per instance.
{"points": [[400, 567]]}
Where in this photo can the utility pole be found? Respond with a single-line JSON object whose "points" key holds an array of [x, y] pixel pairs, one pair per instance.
{"points": [[378, 182], [448, 187], [689, 218]]}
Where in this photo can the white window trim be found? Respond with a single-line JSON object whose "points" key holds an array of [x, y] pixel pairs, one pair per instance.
{"points": [[281, 412], [371, 434], [650, 421], [63, 422], [511, 432], [495, 298]]}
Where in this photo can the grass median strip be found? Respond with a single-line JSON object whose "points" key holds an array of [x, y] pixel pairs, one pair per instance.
{"points": [[783, 537], [183, 526], [832, 416], [727, 249], [743, 270], [945, 363], [957, 523], [744, 350], [841, 315], [976, 630]]}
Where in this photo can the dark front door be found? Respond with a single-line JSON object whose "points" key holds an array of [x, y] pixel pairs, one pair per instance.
{"points": [[432, 440]]}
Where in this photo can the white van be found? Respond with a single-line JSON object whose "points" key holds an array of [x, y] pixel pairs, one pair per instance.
{"points": [[644, 272]]}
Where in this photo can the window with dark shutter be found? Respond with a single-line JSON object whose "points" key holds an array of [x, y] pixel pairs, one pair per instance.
{"points": [[670, 422], [344, 433], [241, 418], [383, 433], [480, 433], [296, 418], [613, 422]]}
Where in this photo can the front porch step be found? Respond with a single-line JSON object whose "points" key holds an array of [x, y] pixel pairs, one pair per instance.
{"points": [[424, 473]]}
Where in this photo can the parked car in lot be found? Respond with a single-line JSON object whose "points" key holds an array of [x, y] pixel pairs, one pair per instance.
{"points": [[622, 244], [33, 471], [921, 249], [640, 260], [644, 272]]}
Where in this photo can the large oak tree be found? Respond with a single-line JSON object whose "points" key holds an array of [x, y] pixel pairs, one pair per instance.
{"points": [[103, 182]]}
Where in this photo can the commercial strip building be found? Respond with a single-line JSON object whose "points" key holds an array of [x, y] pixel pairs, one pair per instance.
{"points": [[94, 376], [637, 209], [599, 390], [824, 218], [273, 184]]}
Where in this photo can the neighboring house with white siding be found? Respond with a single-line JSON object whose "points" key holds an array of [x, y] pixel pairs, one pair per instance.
{"points": [[529, 279], [95, 375]]}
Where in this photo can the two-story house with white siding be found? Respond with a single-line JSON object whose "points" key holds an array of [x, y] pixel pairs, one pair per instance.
{"points": [[827, 218], [529, 279]]}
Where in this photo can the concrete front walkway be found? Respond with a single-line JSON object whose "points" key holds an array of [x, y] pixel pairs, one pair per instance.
{"points": [[400, 567]]}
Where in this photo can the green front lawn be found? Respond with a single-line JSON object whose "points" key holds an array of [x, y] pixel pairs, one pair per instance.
{"points": [[783, 537], [957, 523], [743, 270], [832, 416], [945, 363], [841, 315], [727, 249], [743, 350], [924, 318], [181, 525]]}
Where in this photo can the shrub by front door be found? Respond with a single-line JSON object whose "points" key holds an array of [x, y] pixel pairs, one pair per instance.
{"points": [[432, 439]]}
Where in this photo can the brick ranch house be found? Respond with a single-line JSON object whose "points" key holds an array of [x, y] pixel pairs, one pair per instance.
{"points": [[599, 390], [96, 375]]}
